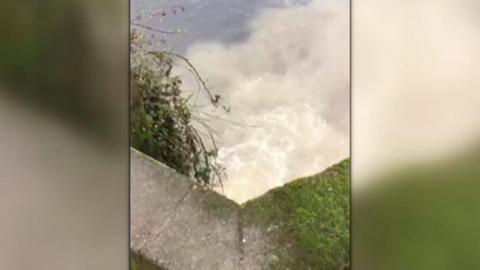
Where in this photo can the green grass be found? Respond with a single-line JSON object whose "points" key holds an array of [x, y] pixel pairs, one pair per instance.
{"points": [[312, 219]]}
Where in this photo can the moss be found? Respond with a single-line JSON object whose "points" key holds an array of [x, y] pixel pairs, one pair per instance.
{"points": [[312, 217], [138, 262], [218, 205]]}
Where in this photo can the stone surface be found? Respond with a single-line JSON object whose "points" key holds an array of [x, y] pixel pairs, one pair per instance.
{"points": [[179, 225]]}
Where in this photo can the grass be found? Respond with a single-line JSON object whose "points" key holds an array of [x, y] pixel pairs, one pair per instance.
{"points": [[312, 220]]}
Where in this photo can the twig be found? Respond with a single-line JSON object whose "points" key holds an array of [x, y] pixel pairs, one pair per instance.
{"points": [[154, 29], [197, 75]]}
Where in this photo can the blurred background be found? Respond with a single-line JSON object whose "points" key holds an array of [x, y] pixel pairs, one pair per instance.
{"points": [[64, 134], [415, 134]]}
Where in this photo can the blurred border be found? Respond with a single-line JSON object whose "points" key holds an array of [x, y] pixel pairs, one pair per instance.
{"points": [[64, 177], [416, 134]]}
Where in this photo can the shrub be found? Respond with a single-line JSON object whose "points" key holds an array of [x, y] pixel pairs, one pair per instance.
{"points": [[161, 117]]}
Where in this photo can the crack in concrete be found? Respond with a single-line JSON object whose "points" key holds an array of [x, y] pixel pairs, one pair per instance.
{"points": [[241, 247], [241, 243], [171, 213]]}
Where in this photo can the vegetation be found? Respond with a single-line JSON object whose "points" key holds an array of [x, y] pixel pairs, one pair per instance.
{"points": [[138, 262], [162, 121], [313, 217]]}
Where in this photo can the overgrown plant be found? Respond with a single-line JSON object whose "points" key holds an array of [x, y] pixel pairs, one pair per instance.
{"points": [[161, 117]]}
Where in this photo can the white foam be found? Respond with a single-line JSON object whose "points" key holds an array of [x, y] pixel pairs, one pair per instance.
{"points": [[288, 86]]}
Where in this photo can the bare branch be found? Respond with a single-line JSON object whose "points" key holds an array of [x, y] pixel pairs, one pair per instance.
{"points": [[197, 75], [154, 29]]}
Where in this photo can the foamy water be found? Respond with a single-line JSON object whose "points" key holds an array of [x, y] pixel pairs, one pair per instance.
{"points": [[288, 88]]}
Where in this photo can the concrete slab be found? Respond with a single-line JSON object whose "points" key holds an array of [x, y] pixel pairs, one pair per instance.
{"points": [[178, 224]]}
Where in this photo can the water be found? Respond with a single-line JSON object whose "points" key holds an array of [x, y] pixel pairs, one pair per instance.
{"points": [[284, 71], [203, 20]]}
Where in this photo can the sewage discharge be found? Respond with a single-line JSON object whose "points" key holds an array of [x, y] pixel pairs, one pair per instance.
{"points": [[288, 89]]}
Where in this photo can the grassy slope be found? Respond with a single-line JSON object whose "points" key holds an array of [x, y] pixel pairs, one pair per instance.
{"points": [[312, 219]]}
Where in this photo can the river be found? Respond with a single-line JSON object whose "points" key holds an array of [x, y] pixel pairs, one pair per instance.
{"points": [[283, 69]]}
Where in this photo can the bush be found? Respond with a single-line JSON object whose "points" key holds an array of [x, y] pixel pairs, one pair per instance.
{"points": [[161, 118]]}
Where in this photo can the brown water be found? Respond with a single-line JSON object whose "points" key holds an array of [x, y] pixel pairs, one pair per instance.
{"points": [[288, 87]]}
